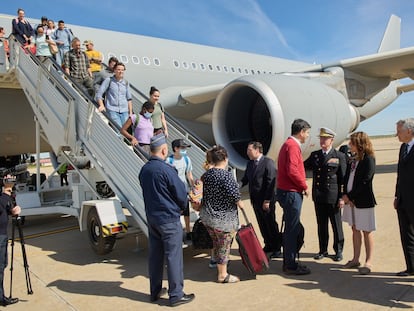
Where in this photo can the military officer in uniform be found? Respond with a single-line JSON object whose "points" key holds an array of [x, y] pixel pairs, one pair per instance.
{"points": [[328, 166]]}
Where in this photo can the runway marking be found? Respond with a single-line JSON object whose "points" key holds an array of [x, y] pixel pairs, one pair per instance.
{"points": [[32, 236]]}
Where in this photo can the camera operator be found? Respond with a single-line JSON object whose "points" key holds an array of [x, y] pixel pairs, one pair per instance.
{"points": [[7, 207]]}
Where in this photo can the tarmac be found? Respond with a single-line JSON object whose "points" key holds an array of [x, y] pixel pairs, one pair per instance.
{"points": [[66, 274]]}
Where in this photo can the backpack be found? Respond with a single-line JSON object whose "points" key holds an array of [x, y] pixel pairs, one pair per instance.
{"points": [[200, 236], [171, 161], [109, 84], [134, 124]]}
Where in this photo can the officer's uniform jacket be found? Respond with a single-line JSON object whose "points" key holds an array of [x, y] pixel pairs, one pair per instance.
{"points": [[328, 175]]}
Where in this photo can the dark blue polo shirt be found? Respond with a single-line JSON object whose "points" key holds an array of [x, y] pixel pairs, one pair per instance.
{"points": [[165, 195]]}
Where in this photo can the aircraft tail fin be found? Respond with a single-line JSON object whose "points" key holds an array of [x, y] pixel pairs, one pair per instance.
{"points": [[391, 39]]}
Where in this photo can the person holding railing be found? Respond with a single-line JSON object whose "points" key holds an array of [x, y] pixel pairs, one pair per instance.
{"points": [[42, 43], [76, 64], [142, 129], [5, 42], [21, 28]]}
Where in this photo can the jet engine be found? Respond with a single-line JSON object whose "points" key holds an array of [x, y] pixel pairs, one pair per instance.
{"points": [[263, 108]]}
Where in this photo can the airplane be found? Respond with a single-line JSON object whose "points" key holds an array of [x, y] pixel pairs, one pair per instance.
{"points": [[230, 97]]}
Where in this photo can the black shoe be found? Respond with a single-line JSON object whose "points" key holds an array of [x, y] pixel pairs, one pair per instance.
{"points": [[161, 293], [188, 236], [404, 273], [267, 249], [9, 301], [320, 255], [185, 299], [276, 254], [300, 270], [338, 257]]}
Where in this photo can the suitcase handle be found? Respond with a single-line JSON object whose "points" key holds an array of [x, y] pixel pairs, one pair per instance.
{"points": [[245, 216]]}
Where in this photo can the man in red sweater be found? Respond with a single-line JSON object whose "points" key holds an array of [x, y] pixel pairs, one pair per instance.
{"points": [[291, 186]]}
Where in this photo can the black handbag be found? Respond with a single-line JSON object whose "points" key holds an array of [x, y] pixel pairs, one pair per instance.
{"points": [[200, 237]]}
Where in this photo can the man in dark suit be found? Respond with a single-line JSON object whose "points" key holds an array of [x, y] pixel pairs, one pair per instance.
{"points": [[260, 174], [329, 167], [403, 201]]}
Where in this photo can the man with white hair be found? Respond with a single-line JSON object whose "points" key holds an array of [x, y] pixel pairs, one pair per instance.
{"points": [[404, 198]]}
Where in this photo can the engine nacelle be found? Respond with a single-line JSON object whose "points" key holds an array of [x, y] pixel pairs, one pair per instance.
{"points": [[263, 109]]}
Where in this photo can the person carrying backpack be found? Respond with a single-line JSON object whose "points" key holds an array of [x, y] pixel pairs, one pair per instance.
{"points": [[182, 163], [142, 129], [63, 38]]}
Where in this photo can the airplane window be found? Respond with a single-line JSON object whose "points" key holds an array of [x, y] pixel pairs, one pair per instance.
{"points": [[233, 70], [176, 64], [210, 67], [194, 65], [111, 55], [146, 60], [252, 71], [157, 62], [124, 59], [246, 71], [218, 68], [240, 71], [135, 60], [225, 69], [258, 71], [202, 67], [185, 65]]}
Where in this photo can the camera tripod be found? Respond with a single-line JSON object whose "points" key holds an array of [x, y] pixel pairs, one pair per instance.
{"points": [[17, 222]]}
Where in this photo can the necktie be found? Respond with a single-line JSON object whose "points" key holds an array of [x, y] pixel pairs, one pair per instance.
{"points": [[405, 151], [255, 163]]}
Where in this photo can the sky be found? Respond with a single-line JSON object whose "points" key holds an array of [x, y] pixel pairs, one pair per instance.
{"points": [[314, 31]]}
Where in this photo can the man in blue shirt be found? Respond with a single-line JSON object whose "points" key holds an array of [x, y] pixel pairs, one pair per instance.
{"points": [[165, 197], [118, 98], [63, 38]]}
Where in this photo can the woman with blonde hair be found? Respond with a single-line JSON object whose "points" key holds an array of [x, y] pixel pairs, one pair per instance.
{"points": [[359, 199]]}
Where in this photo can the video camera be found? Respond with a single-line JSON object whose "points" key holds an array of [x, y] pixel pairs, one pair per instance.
{"points": [[11, 175]]}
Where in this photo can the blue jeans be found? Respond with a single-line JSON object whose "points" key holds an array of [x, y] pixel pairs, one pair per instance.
{"points": [[165, 242], [118, 117], [291, 203]]}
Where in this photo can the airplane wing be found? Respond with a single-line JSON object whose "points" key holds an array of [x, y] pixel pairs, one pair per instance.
{"points": [[392, 65], [198, 95]]}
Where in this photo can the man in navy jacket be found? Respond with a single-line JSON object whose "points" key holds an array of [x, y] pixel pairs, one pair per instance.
{"points": [[165, 197]]}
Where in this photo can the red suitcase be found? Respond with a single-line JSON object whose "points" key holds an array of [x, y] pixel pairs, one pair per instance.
{"points": [[251, 252]]}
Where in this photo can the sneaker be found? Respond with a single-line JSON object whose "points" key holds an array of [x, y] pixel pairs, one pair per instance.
{"points": [[212, 264], [188, 236]]}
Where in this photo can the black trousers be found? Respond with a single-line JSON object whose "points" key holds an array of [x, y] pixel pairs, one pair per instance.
{"points": [[407, 238], [3, 263], [331, 212], [268, 226]]}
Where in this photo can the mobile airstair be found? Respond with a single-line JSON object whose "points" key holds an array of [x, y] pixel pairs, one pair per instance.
{"points": [[68, 119]]}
